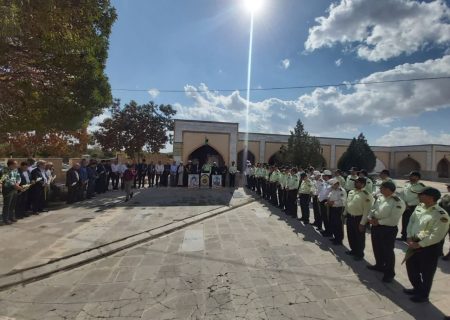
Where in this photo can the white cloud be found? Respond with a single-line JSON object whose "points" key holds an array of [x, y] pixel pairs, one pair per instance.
{"points": [[412, 136], [331, 111], [382, 29], [93, 125], [153, 93], [338, 62], [285, 63]]}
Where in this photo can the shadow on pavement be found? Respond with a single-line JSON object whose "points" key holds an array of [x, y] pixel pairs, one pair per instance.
{"points": [[372, 280]]}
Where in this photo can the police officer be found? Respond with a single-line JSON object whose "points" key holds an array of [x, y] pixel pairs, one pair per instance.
{"points": [[232, 171], [323, 191], [411, 198], [273, 181], [369, 184], [305, 192], [281, 185], [358, 204], [445, 204], [384, 218], [351, 178], [427, 226], [336, 204], [339, 177], [292, 186]]}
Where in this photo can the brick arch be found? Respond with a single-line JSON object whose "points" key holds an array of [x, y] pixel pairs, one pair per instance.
{"points": [[443, 168], [205, 152], [407, 165]]}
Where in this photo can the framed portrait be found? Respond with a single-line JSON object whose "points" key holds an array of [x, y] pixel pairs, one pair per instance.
{"points": [[193, 181], [216, 181]]}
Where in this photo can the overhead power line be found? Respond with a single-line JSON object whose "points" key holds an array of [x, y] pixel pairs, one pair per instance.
{"points": [[342, 84]]}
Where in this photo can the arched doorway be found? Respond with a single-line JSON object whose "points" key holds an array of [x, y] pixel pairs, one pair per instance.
{"points": [[407, 165], [204, 154], [274, 159], [443, 168], [240, 158]]}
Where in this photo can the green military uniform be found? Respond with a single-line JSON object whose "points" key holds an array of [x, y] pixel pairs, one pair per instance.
{"points": [[350, 182], [9, 179], [206, 168], [281, 192], [387, 211], [357, 207], [305, 192], [341, 180], [292, 185], [232, 170], [427, 227], [411, 198]]}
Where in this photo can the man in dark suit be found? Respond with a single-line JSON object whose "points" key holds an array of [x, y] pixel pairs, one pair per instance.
{"points": [[151, 172], [73, 183], [142, 173], [22, 196], [37, 192]]}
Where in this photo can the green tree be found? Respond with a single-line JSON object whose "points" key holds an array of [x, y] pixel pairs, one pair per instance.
{"points": [[302, 149], [358, 154], [52, 61], [135, 128]]}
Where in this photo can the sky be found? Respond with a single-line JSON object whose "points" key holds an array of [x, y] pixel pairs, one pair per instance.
{"points": [[200, 47]]}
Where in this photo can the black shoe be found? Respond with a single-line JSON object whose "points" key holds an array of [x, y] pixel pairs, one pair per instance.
{"points": [[374, 268], [409, 291], [349, 252], [7, 222], [388, 279], [13, 220], [401, 239], [419, 299]]}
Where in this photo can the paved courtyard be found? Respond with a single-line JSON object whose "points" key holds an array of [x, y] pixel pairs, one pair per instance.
{"points": [[251, 262]]}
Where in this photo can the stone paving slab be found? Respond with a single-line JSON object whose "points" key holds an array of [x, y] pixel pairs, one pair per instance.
{"points": [[44, 239], [255, 263]]}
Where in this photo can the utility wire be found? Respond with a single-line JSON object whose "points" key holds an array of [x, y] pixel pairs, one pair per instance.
{"points": [[342, 84]]}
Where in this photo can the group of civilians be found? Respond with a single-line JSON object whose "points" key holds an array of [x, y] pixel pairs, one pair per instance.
{"points": [[26, 188]]}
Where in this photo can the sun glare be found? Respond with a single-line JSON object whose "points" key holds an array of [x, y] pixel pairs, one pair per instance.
{"points": [[253, 5]]}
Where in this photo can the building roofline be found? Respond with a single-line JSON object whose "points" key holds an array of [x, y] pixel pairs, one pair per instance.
{"points": [[288, 135], [206, 121], [414, 145]]}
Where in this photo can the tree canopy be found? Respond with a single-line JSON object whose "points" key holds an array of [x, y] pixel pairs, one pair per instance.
{"points": [[302, 149], [135, 128], [52, 62], [358, 154]]}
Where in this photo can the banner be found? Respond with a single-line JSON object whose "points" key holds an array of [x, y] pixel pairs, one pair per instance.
{"points": [[216, 181], [204, 180], [193, 181]]}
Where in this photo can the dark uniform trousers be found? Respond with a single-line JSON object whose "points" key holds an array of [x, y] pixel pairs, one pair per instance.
{"points": [[336, 225], [383, 243], [258, 185], [9, 204], [325, 215], [273, 193], [21, 204], [72, 192], [305, 199], [316, 210], [421, 267], [281, 197], [356, 239], [405, 219], [291, 203], [264, 188]]}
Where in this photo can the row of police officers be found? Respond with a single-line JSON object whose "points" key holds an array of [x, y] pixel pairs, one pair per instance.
{"points": [[359, 203]]}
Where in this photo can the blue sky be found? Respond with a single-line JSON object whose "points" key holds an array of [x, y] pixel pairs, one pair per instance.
{"points": [[193, 45]]}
